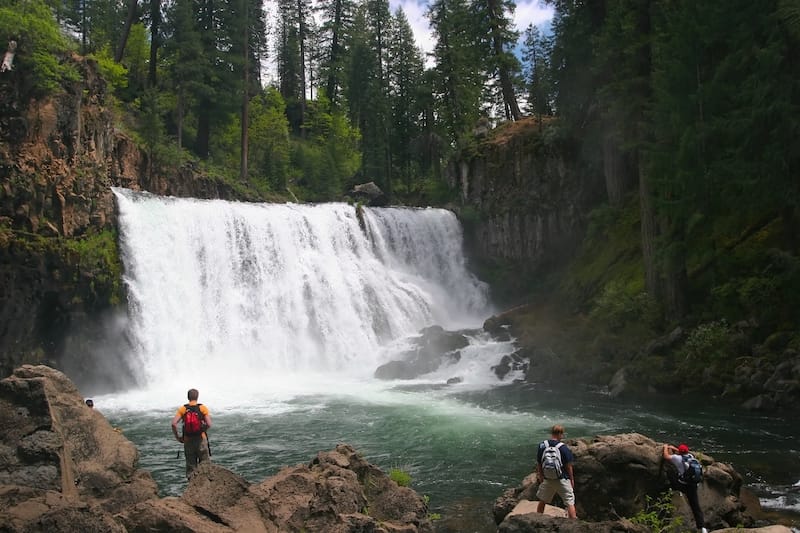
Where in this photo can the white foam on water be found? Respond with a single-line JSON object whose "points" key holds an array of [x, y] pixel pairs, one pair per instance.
{"points": [[266, 303]]}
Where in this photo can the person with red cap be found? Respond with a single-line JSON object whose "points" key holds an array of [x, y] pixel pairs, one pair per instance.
{"points": [[678, 457]]}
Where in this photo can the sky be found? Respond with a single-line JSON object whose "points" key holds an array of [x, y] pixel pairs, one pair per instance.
{"points": [[527, 12]]}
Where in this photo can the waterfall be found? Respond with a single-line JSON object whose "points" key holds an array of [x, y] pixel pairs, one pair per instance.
{"points": [[237, 290]]}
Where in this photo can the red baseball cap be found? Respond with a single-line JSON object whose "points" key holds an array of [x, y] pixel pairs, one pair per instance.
{"points": [[683, 449]]}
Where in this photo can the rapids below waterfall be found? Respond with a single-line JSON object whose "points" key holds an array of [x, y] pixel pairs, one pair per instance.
{"points": [[280, 314]]}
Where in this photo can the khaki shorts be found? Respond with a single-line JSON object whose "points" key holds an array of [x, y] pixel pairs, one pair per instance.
{"points": [[549, 487]]}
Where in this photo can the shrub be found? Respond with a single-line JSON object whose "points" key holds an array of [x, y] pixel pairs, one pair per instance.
{"points": [[114, 73], [707, 342], [658, 515], [399, 476], [39, 44], [618, 306]]}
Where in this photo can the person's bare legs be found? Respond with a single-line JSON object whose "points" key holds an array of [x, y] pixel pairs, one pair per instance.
{"points": [[540, 507], [571, 511]]}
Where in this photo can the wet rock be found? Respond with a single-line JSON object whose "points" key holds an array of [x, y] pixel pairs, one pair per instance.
{"points": [[370, 194], [434, 348], [511, 363]]}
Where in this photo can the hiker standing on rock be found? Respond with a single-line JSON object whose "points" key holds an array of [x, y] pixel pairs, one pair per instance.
{"points": [[554, 471], [196, 420], [685, 478]]}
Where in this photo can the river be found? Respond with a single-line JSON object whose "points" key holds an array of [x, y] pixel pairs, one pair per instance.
{"points": [[279, 315]]}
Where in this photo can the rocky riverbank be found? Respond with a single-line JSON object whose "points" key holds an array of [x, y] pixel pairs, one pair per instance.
{"points": [[63, 467], [559, 346]]}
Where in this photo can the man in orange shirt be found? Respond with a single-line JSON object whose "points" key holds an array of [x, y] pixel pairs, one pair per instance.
{"points": [[196, 420]]}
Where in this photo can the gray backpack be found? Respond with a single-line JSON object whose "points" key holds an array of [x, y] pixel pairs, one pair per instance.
{"points": [[551, 460]]}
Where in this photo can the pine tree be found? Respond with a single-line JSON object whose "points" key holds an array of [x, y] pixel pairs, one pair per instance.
{"points": [[536, 70], [335, 33], [496, 19], [458, 83], [405, 70]]}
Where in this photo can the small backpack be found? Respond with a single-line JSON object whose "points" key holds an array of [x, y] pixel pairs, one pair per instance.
{"points": [[193, 423], [692, 471], [551, 460]]}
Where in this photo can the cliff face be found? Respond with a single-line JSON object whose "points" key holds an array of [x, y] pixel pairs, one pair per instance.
{"points": [[59, 270], [524, 199]]}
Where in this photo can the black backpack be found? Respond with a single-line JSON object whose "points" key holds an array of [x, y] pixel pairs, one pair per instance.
{"points": [[193, 420], [692, 470]]}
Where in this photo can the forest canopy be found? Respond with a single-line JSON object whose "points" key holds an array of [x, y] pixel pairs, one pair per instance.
{"points": [[689, 111]]}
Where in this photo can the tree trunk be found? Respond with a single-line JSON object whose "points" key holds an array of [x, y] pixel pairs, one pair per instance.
{"points": [[648, 227], [180, 119], [509, 96], [203, 131], [155, 40], [245, 95], [675, 279], [302, 38], [613, 169], [126, 30], [334, 56]]}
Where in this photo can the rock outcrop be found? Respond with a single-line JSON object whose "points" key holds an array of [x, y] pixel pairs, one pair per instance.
{"points": [[530, 200], [64, 468], [614, 477], [434, 348]]}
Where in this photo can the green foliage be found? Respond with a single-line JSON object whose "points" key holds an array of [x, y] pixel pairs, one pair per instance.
{"points": [[400, 476], [658, 515], [707, 342], [436, 191], [152, 105], [114, 73], [619, 305], [269, 138], [328, 158], [41, 47], [98, 253], [136, 57], [609, 260]]}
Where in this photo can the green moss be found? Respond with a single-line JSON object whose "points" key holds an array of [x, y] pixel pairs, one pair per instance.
{"points": [[98, 254]]}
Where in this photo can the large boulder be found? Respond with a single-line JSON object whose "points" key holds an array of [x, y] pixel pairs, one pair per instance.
{"points": [[370, 194], [60, 460], [615, 475], [432, 349], [337, 492]]}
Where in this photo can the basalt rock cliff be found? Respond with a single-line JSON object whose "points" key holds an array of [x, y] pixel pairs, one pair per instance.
{"points": [[524, 201], [59, 265]]}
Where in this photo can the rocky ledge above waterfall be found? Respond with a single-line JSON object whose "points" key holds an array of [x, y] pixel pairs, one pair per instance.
{"points": [[63, 467]]}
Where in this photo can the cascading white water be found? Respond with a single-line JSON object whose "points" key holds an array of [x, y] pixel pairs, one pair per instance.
{"points": [[240, 291]]}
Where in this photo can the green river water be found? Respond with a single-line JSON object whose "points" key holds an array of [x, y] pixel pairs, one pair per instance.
{"points": [[462, 448]]}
